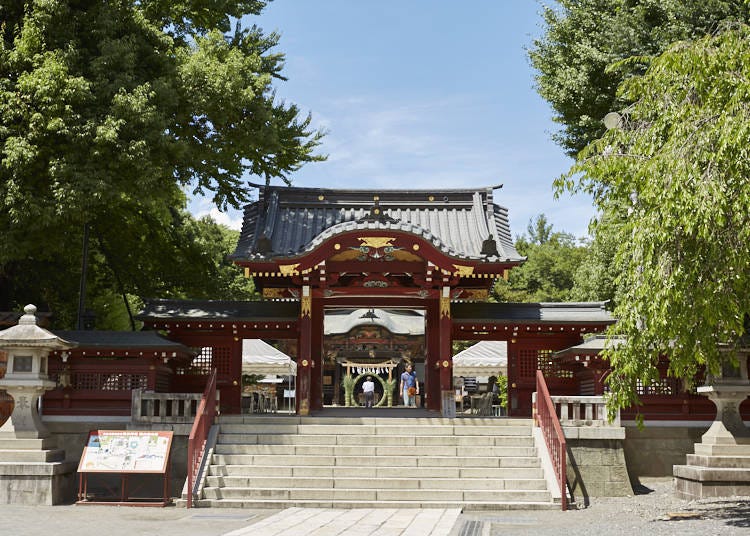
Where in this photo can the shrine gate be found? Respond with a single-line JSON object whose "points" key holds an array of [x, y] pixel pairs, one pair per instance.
{"points": [[312, 250]]}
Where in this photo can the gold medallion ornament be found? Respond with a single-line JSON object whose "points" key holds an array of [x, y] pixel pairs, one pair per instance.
{"points": [[446, 364], [304, 362]]}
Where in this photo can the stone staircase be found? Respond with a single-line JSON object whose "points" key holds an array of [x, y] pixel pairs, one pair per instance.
{"points": [[280, 462]]}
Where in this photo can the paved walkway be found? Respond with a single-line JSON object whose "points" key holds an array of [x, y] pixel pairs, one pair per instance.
{"points": [[359, 522]]}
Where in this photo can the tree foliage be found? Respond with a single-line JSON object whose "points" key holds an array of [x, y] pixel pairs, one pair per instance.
{"points": [[594, 279], [584, 37], [674, 183], [109, 113], [548, 273]]}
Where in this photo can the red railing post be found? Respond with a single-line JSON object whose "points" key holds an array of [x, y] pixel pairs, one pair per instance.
{"points": [[549, 424], [204, 419]]}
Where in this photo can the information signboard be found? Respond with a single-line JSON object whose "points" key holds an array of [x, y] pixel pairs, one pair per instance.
{"points": [[126, 451]]}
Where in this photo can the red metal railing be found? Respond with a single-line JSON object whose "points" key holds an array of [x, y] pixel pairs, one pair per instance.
{"points": [[553, 435], [204, 419]]}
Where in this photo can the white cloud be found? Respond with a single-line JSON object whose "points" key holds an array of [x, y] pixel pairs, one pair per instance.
{"points": [[201, 207]]}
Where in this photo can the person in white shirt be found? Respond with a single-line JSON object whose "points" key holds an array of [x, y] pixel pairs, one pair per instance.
{"points": [[368, 388]]}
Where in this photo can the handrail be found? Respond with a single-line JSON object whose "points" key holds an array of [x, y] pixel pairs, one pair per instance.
{"points": [[204, 419], [553, 435]]}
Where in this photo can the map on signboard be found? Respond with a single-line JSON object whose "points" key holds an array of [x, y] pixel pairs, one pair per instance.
{"points": [[125, 451]]}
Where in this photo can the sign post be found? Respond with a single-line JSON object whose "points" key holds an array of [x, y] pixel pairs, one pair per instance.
{"points": [[127, 453]]}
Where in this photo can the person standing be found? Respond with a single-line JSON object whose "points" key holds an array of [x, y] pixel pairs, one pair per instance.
{"points": [[368, 388], [409, 386]]}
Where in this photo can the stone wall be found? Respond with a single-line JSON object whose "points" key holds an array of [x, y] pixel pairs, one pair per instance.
{"points": [[596, 468], [71, 436], [653, 450]]}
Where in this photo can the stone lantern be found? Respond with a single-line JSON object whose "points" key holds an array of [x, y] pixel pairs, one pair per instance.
{"points": [[720, 466], [727, 391], [28, 347]]}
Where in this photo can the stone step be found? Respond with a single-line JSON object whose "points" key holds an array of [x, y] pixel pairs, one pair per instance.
{"points": [[285, 461], [347, 504], [371, 482], [403, 421], [372, 440], [374, 472], [338, 494], [702, 449], [366, 450], [31, 456], [736, 475], [378, 461], [737, 462], [378, 429], [402, 430], [46, 443]]}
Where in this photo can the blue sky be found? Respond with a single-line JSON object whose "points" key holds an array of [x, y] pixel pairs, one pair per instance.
{"points": [[423, 94]]}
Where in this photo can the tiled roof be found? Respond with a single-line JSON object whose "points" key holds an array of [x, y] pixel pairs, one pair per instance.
{"points": [[218, 310], [462, 223], [122, 339], [591, 346], [541, 313]]}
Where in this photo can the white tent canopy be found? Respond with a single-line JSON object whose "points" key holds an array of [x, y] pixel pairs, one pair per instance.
{"points": [[259, 357], [485, 358]]}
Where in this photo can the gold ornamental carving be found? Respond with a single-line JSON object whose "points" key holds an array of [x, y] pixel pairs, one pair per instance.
{"points": [[273, 293], [464, 271], [446, 364], [288, 269], [306, 308], [475, 294], [304, 363], [376, 242], [445, 307]]}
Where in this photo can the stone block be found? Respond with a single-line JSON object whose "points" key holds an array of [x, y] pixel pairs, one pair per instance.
{"points": [[601, 432], [37, 484]]}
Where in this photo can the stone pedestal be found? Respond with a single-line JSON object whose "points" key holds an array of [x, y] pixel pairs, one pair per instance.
{"points": [[32, 470], [720, 466], [24, 422]]}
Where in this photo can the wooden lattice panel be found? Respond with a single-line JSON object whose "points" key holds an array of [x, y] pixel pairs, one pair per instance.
{"points": [[665, 386], [210, 357], [527, 363], [529, 360], [95, 381]]}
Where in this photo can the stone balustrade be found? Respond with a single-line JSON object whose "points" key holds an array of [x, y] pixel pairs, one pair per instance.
{"points": [[173, 408], [583, 411]]}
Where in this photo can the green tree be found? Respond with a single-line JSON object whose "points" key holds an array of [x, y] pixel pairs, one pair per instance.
{"points": [[547, 275], [583, 38], [673, 181], [594, 279], [109, 113]]}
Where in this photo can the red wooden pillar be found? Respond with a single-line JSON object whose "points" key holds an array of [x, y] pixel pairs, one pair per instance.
{"points": [[304, 353], [446, 343], [234, 392], [316, 353], [599, 375], [512, 378], [432, 359]]}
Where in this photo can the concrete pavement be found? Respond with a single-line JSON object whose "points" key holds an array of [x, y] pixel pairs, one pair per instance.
{"points": [[139, 521]]}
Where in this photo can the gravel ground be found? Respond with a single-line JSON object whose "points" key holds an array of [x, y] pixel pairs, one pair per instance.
{"points": [[654, 511]]}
